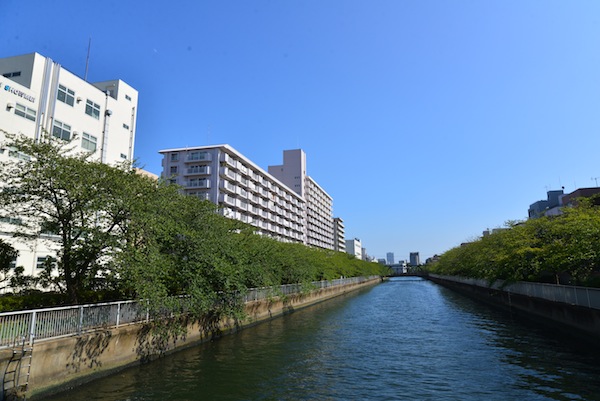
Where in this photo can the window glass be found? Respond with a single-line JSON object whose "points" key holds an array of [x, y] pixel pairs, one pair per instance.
{"points": [[89, 142], [61, 130], [92, 109], [66, 95], [25, 112]]}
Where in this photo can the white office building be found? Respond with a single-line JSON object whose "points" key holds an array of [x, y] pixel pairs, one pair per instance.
{"points": [[354, 247], [39, 97], [319, 205], [240, 188]]}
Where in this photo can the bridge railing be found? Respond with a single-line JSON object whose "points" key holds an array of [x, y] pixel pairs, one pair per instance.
{"points": [[569, 294], [70, 320]]}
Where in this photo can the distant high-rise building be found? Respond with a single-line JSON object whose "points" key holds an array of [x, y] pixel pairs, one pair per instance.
{"points": [[414, 259], [319, 205], [390, 258]]}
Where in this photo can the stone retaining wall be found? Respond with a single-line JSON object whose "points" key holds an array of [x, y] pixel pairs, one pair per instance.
{"points": [[579, 321]]}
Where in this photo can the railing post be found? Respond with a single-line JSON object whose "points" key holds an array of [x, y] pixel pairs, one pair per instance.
{"points": [[80, 328], [118, 313], [32, 328]]}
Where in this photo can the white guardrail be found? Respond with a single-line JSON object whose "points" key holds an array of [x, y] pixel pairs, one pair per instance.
{"points": [[569, 294], [71, 320]]}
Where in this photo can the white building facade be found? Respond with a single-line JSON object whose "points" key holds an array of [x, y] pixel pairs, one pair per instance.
{"points": [[339, 235], [319, 205], [240, 188], [354, 247], [39, 97]]}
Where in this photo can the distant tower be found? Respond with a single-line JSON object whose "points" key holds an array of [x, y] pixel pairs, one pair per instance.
{"points": [[414, 259], [390, 258]]}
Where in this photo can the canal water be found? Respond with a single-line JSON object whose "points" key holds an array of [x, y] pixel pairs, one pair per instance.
{"points": [[405, 339]]}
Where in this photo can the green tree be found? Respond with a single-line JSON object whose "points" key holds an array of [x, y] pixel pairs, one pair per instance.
{"points": [[8, 274], [82, 202], [177, 245]]}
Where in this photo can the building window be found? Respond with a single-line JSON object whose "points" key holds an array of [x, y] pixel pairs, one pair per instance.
{"points": [[173, 170], [11, 220], [125, 126], [25, 112], [61, 130], [89, 142], [66, 95], [127, 97], [43, 261], [123, 156], [92, 109], [12, 152], [174, 157], [12, 74]]}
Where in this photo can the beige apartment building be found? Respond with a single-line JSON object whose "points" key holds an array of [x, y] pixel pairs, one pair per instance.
{"points": [[240, 188], [39, 97], [319, 205]]}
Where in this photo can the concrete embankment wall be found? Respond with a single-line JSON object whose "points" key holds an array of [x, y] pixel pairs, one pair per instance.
{"points": [[580, 321], [72, 360]]}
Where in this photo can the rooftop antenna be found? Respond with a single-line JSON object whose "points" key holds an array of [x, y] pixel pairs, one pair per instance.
{"points": [[595, 179], [87, 59]]}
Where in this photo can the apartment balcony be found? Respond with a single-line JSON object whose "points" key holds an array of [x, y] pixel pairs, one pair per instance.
{"points": [[227, 186], [200, 195], [197, 170], [225, 158], [198, 183], [227, 200], [227, 172], [252, 187], [198, 156]]}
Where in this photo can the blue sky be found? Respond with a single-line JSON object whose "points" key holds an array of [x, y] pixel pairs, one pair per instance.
{"points": [[426, 121]]}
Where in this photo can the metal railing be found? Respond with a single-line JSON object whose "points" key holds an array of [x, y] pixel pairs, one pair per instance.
{"points": [[71, 320], [569, 294]]}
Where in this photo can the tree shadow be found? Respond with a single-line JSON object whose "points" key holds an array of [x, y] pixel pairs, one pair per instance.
{"points": [[87, 351]]}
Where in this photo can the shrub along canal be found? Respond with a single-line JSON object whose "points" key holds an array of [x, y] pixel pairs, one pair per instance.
{"points": [[405, 339]]}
